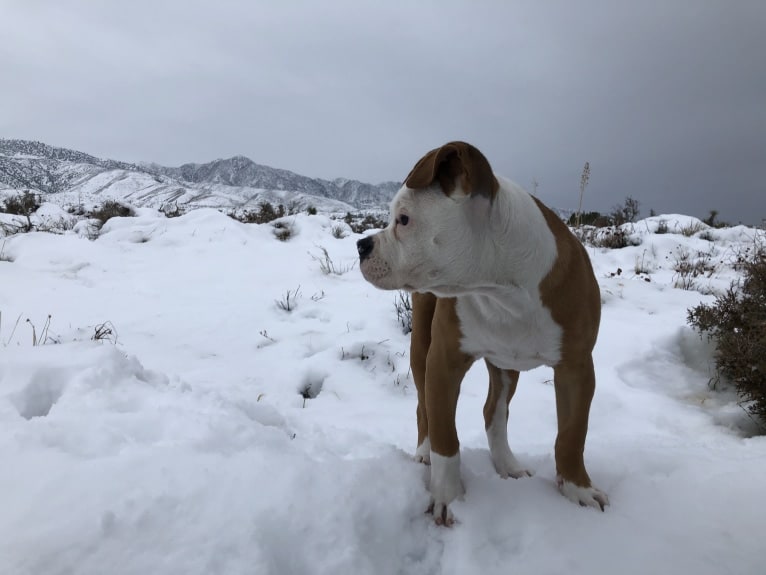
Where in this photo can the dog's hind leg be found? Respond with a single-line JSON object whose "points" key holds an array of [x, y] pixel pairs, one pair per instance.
{"points": [[423, 307], [575, 382], [502, 386]]}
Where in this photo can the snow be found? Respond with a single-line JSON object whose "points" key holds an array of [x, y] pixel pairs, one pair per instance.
{"points": [[213, 432]]}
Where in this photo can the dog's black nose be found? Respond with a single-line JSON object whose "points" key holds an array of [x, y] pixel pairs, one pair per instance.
{"points": [[364, 247]]}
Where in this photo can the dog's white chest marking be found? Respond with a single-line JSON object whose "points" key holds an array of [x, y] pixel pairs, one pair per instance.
{"points": [[512, 329]]}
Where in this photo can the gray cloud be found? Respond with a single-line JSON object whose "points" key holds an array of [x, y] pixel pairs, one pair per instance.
{"points": [[664, 99]]}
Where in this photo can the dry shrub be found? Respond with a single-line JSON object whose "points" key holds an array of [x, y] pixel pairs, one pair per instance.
{"points": [[691, 228], [688, 268], [737, 324], [266, 213], [403, 306], [625, 213], [22, 204], [111, 209], [359, 224], [283, 231], [338, 231], [610, 237]]}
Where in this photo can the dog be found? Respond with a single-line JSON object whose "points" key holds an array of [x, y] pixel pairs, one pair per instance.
{"points": [[494, 274]]}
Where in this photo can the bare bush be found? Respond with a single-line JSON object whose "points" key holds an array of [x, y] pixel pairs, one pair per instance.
{"points": [[289, 300], [403, 306], [111, 209], [17, 226], [171, 210], [293, 207], [689, 267], [625, 213], [57, 225], [611, 237], [713, 222], [105, 332], [642, 267], [283, 231], [266, 213], [596, 219], [328, 266], [338, 232], [691, 228], [23, 204], [360, 224]]}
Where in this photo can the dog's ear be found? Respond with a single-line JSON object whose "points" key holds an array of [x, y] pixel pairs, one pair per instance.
{"points": [[439, 164], [450, 162]]}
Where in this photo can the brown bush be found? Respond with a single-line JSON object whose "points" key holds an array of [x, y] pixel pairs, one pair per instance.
{"points": [[266, 213], [21, 204], [111, 209], [737, 324]]}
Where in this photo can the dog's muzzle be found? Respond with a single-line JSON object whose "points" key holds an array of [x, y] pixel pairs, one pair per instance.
{"points": [[364, 247]]}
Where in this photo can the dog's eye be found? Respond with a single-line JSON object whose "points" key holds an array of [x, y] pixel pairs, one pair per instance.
{"points": [[404, 219]]}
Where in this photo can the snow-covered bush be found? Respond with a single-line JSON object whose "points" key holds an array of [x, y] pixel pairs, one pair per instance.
{"points": [[111, 209], [266, 213], [737, 324]]}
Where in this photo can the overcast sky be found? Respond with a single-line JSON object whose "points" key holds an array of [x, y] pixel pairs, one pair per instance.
{"points": [[665, 99]]}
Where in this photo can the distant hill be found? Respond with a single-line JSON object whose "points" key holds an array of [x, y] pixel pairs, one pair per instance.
{"points": [[233, 183]]}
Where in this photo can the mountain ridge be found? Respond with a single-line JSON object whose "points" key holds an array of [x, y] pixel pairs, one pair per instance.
{"points": [[235, 182]]}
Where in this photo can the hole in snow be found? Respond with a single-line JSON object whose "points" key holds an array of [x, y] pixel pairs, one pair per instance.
{"points": [[38, 397], [312, 385]]}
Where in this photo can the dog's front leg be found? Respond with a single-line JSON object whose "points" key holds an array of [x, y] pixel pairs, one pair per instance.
{"points": [[423, 309], [446, 365]]}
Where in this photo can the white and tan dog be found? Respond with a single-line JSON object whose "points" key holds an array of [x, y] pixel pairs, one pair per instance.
{"points": [[496, 275]]}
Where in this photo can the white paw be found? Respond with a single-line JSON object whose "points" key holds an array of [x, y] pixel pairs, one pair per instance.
{"points": [[423, 452], [442, 514], [445, 487], [583, 496], [507, 466]]}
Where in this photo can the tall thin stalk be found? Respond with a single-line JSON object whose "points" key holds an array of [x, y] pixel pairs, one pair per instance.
{"points": [[583, 184]]}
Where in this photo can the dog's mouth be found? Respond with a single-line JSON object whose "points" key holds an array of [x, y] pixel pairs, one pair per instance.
{"points": [[378, 273]]}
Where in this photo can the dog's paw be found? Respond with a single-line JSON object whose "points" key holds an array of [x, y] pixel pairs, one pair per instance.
{"points": [[442, 515], [583, 496], [423, 452], [446, 486], [507, 466]]}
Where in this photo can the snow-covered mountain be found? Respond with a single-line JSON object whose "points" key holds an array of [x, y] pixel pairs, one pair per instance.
{"points": [[233, 183]]}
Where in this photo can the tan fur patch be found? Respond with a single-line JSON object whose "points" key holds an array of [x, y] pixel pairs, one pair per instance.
{"points": [[570, 290]]}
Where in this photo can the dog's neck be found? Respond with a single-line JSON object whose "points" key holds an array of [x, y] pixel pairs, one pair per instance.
{"points": [[518, 248], [512, 249]]}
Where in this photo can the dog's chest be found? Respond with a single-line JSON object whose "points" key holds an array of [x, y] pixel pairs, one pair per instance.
{"points": [[513, 331]]}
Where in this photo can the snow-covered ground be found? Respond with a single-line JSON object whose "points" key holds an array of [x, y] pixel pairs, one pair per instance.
{"points": [[182, 442]]}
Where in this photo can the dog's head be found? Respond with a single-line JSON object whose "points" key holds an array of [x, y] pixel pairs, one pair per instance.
{"points": [[437, 221]]}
